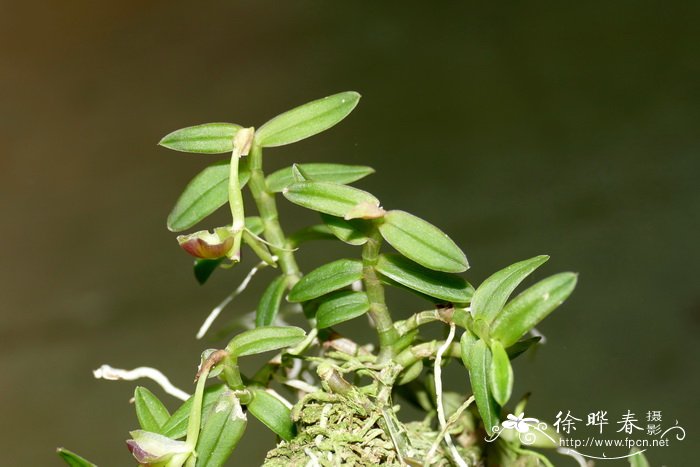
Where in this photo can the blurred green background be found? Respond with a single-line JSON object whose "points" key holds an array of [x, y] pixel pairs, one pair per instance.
{"points": [[519, 128]]}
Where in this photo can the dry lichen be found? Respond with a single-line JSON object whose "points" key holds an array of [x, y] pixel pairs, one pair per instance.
{"points": [[352, 431]]}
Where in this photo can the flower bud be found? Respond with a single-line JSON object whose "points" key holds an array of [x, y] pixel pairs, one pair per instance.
{"points": [[152, 448], [208, 245]]}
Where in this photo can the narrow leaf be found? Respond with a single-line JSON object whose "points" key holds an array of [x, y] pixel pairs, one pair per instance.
{"points": [[478, 360], [298, 174], [72, 459], [329, 198], [270, 302], [326, 279], [493, 293], [265, 339], [466, 343], [351, 231], [204, 194], [637, 458], [436, 284], [306, 120], [500, 373], [435, 301], [548, 438], [307, 234], [318, 172], [209, 138], [422, 242], [272, 412], [150, 411], [410, 373], [530, 307], [225, 425], [521, 347], [176, 426], [204, 268], [340, 307]]}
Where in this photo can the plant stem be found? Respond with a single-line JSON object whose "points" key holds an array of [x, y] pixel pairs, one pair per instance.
{"points": [[378, 310], [235, 197], [426, 350], [265, 202], [418, 319], [232, 374], [193, 425]]}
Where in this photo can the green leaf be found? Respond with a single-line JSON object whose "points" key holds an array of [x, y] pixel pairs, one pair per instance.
{"points": [[403, 342], [478, 360], [340, 307], [351, 232], [326, 279], [204, 268], [637, 458], [265, 339], [72, 459], [254, 224], [435, 301], [493, 293], [225, 425], [272, 412], [521, 347], [209, 138], [205, 193], [500, 373], [299, 174], [436, 284], [307, 234], [270, 302], [530, 307], [422, 242], [306, 120], [329, 198], [410, 373], [150, 411], [466, 343], [318, 172], [176, 426], [548, 438]]}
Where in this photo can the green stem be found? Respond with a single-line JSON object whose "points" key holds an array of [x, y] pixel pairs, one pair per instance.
{"points": [[232, 374], [418, 319], [193, 425], [426, 350], [235, 200], [265, 202], [378, 310]]}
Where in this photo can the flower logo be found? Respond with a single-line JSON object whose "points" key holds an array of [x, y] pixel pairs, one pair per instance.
{"points": [[519, 423]]}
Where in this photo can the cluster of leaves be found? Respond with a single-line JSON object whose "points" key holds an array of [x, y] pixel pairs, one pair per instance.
{"points": [[425, 261]]}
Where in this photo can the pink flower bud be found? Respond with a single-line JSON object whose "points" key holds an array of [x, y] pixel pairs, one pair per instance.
{"points": [[208, 245]]}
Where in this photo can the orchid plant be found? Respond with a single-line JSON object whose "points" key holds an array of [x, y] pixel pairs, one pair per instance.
{"points": [[328, 399]]}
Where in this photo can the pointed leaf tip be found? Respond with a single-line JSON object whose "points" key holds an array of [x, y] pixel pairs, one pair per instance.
{"points": [[493, 293], [264, 339], [523, 313], [72, 459], [422, 242], [208, 138], [326, 279], [307, 120]]}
